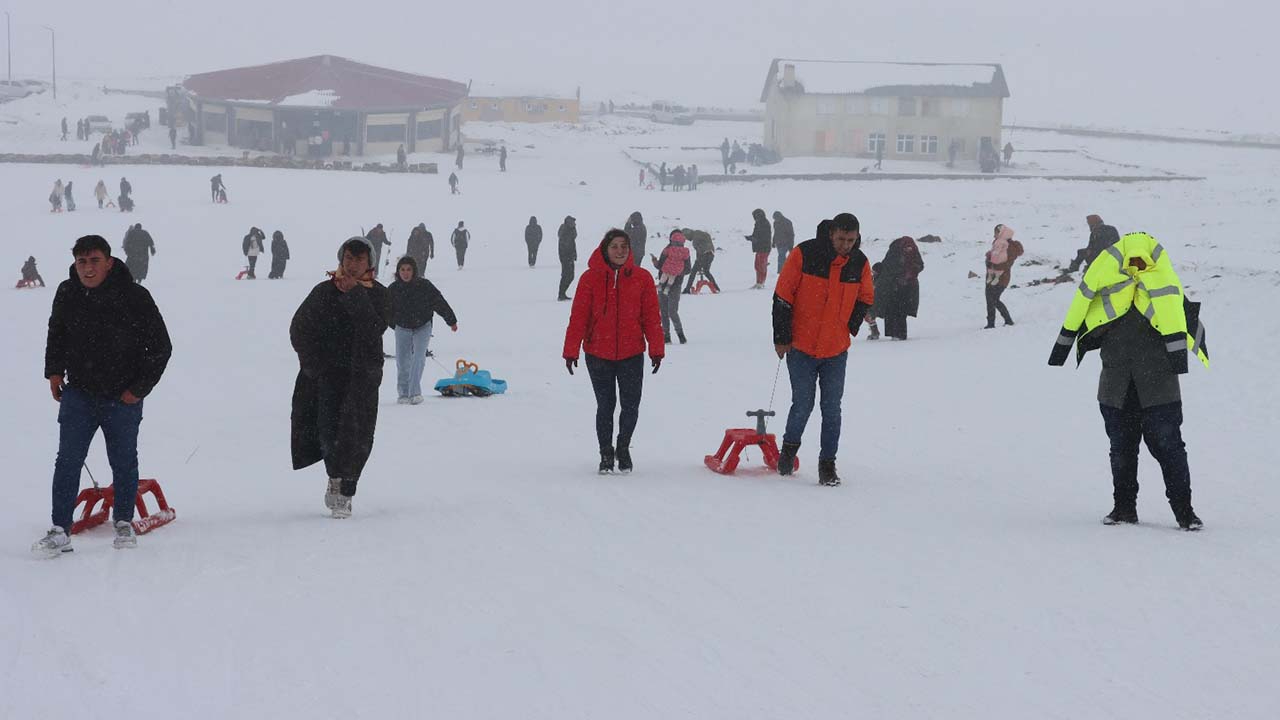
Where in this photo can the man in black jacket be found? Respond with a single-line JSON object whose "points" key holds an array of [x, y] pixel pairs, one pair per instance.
{"points": [[1101, 237], [637, 233], [421, 246], [106, 349], [532, 239], [414, 300], [337, 333], [568, 236], [138, 249], [784, 237], [761, 239], [377, 238]]}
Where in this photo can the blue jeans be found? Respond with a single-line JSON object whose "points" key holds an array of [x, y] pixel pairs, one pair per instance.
{"points": [[806, 373], [1160, 427], [79, 417], [411, 359]]}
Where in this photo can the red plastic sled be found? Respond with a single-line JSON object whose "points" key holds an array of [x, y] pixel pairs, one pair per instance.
{"points": [[97, 503], [726, 459], [697, 289]]}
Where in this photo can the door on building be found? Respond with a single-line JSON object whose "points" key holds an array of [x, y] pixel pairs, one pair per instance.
{"points": [[821, 138]]}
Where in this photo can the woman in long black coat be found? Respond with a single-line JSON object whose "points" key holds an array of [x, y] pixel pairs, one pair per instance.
{"points": [[898, 286], [279, 255]]}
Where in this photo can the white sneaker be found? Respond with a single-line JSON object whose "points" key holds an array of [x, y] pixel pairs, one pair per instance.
{"points": [[54, 543], [415, 400], [333, 492], [342, 507], [402, 401], [125, 536]]}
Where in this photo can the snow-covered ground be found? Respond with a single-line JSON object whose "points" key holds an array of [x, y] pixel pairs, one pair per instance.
{"points": [[488, 572]]}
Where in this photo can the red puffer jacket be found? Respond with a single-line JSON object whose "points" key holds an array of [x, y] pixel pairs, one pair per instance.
{"points": [[614, 312]]}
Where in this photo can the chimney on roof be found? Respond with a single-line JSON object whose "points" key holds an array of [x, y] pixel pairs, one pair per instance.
{"points": [[324, 60], [788, 76]]}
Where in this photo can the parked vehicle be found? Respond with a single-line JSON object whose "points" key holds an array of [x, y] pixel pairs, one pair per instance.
{"points": [[143, 119], [665, 112], [99, 123]]}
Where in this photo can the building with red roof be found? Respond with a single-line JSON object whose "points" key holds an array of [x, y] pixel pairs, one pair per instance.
{"points": [[324, 105]]}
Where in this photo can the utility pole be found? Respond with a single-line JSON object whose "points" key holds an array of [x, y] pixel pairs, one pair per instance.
{"points": [[53, 40], [8, 42]]}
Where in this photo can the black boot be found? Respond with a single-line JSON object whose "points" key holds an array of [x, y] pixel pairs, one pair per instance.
{"points": [[680, 337], [606, 460], [1122, 513], [827, 473], [875, 332], [624, 458], [787, 458], [1187, 519]]}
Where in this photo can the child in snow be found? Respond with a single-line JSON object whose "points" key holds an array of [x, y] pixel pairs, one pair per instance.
{"points": [[1000, 258], [30, 275], [672, 265]]}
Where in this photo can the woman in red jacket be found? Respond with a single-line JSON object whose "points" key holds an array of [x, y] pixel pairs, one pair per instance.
{"points": [[615, 313]]}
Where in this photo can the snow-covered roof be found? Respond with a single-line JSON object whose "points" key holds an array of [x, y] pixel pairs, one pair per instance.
{"points": [[854, 77], [325, 81], [505, 89]]}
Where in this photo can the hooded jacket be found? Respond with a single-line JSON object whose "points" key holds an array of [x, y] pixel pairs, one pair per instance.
{"points": [[279, 248], [414, 303], [674, 260], [107, 339], [255, 236], [762, 236], [638, 234], [1004, 252], [333, 331], [421, 245], [615, 312], [784, 233], [898, 279], [568, 238], [533, 233]]}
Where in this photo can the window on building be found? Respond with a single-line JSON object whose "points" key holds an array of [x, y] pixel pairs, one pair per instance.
{"points": [[875, 142], [906, 144], [929, 107], [958, 107], [429, 129], [855, 106], [493, 106], [828, 106], [215, 122], [384, 133], [878, 106], [906, 106], [563, 108], [253, 133], [475, 105], [928, 144]]}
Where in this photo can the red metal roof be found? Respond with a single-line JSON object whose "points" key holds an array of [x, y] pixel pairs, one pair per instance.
{"points": [[353, 85]]}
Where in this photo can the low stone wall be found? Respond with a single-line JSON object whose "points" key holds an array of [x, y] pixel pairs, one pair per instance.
{"points": [[261, 161], [872, 177]]}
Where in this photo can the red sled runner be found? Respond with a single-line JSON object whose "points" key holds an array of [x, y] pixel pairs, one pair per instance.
{"points": [[726, 459], [97, 503]]}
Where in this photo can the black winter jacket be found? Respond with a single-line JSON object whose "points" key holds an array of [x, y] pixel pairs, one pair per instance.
{"points": [[784, 234], [413, 303], [279, 248], [108, 339], [638, 234], [533, 234], [568, 236], [334, 331], [762, 236]]}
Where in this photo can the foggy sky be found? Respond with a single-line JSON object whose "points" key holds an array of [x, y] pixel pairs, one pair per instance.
{"points": [[1138, 63]]}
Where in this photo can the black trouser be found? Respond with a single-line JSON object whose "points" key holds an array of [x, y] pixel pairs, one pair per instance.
{"points": [[566, 277], [1160, 426], [993, 304], [253, 263], [533, 253], [701, 265], [614, 379], [462, 254], [895, 325], [346, 418]]}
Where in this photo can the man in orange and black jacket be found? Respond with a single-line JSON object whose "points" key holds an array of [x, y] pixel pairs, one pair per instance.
{"points": [[822, 296]]}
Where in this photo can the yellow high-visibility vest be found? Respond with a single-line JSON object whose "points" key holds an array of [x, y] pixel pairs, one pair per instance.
{"points": [[1114, 284]]}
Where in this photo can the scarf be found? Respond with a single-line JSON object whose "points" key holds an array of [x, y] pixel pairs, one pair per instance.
{"points": [[365, 280]]}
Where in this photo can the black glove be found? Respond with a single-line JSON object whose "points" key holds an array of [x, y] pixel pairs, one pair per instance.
{"points": [[570, 364], [656, 363]]}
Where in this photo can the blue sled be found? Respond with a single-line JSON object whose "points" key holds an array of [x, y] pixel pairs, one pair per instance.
{"points": [[478, 383]]}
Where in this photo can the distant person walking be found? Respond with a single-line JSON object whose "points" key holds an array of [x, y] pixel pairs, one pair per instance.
{"points": [[216, 188], [1008, 153], [55, 197], [568, 247], [461, 238], [724, 155], [421, 246], [784, 237], [502, 159], [173, 135], [100, 192], [638, 234], [461, 154], [453, 183], [533, 239], [705, 248], [139, 247], [252, 248], [898, 286]]}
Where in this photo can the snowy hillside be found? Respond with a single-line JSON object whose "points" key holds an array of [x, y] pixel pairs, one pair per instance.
{"points": [[488, 572]]}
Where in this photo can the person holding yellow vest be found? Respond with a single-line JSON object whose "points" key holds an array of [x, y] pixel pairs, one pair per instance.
{"points": [[1131, 306]]}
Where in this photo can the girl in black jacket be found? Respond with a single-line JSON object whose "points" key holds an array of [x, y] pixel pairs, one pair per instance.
{"points": [[414, 301]]}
